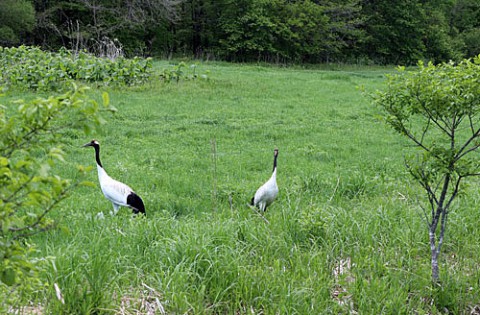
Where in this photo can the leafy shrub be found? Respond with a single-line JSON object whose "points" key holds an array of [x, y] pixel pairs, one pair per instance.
{"points": [[178, 72], [31, 68], [30, 146], [436, 108]]}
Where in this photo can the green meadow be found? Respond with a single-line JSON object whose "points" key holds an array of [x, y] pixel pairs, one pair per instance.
{"points": [[345, 236]]}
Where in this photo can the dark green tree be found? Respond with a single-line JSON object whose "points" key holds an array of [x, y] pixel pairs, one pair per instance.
{"points": [[394, 31], [403, 32], [248, 31], [279, 30], [464, 19], [304, 31], [439, 44], [345, 29], [17, 17]]}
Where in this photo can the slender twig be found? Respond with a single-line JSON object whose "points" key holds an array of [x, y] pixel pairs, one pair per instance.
{"points": [[414, 139], [425, 130], [458, 122], [424, 211], [462, 152], [455, 192], [443, 225], [335, 190], [26, 138], [258, 212], [39, 219], [474, 148], [432, 118], [472, 127], [20, 188], [423, 181]]}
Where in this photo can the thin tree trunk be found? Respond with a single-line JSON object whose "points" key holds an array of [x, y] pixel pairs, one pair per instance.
{"points": [[434, 252], [435, 246], [439, 215]]}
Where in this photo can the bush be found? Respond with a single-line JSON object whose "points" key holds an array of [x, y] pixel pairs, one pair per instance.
{"points": [[30, 146], [31, 68]]}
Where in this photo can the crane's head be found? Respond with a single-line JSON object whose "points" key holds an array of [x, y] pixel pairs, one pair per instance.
{"points": [[94, 143], [275, 152]]}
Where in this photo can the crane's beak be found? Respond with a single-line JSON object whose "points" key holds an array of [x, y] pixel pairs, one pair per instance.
{"points": [[87, 145]]}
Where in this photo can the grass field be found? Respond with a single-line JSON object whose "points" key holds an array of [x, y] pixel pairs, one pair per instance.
{"points": [[345, 235]]}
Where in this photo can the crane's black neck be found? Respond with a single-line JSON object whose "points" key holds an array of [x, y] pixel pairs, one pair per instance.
{"points": [[97, 154], [275, 161]]}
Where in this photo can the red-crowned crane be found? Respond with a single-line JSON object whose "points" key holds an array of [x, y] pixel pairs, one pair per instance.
{"points": [[118, 193], [267, 193]]}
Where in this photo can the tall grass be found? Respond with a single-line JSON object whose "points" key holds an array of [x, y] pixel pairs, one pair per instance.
{"points": [[344, 236]]}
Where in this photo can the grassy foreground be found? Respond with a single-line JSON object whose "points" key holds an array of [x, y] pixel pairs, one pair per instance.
{"points": [[344, 237]]}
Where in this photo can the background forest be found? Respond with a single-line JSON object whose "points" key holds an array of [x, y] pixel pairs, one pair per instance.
{"points": [[311, 31]]}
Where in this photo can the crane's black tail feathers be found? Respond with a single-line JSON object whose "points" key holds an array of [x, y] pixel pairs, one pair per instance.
{"points": [[136, 203], [252, 202]]}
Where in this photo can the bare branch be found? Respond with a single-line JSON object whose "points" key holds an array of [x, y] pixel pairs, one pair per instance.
{"points": [[443, 225], [432, 118], [472, 127], [39, 219], [425, 184], [26, 138], [414, 139], [19, 189], [424, 211], [443, 194], [470, 175], [425, 130], [440, 208], [463, 150], [454, 193]]}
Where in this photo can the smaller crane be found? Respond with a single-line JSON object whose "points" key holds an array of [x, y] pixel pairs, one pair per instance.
{"points": [[267, 193]]}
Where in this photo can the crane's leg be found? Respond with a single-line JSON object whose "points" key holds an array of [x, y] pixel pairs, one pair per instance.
{"points": [[115, 209], [262, 206]]}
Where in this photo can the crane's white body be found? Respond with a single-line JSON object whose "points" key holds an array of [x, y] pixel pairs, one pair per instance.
{"points": [[267, 193], [113, 190]]}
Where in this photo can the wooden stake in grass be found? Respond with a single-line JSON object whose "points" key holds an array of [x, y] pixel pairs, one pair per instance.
{"points": [[213, 143], [258, 212]]}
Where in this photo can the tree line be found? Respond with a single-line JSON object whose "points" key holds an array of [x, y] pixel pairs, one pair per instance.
{"points": [[298, 31]]}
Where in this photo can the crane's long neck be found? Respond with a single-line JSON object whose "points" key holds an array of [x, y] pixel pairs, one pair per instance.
{"points": [[97, 155], [274, 173], [275, 164], [102, 174]]}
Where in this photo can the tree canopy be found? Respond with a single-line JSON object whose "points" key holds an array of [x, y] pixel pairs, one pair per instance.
{"points": [[385, 32]]}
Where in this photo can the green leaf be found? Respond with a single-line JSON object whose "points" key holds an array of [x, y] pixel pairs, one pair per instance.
{"points": [[8, 276], [88, 184], [106, 99], [3, 161]]}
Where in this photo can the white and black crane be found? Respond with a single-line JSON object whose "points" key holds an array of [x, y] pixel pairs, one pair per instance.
{"points": [[118, 193], [267, 193]]}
